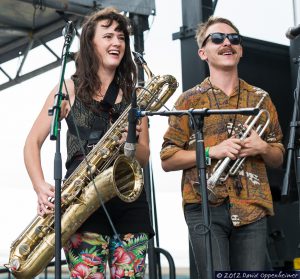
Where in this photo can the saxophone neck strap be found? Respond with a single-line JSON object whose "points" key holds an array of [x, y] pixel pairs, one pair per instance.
{"points": [[101, 118], [110, 96], [107, 103]]}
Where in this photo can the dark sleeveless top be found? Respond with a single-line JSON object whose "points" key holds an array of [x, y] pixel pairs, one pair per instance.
{"points": [[126, 217], [85, 119]]}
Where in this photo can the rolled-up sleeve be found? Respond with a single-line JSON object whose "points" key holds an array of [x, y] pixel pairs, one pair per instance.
{"points": [[178, 132], [274, 133]]}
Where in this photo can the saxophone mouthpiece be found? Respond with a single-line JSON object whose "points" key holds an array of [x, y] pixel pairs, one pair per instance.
{"points": [[138, 58]]}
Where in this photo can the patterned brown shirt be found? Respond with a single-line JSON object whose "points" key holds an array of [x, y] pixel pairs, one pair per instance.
{"points": [[254, 200]]}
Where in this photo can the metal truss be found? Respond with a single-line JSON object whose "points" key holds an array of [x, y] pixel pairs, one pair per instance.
{"points": [[27, 24]]}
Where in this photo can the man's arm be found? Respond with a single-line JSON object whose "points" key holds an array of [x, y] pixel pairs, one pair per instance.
{"points": [[182, 159]]}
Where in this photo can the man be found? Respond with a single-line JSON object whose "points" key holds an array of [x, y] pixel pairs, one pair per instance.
{"points": [[238, 206]]}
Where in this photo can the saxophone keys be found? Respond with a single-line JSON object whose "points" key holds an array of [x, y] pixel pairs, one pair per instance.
{"points": [[104, 152], [115, 139], [14, 264], [91, 170], [76, 188], [24, 249], [40, 232]]}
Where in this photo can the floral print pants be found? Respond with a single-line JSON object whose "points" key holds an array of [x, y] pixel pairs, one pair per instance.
{"points": [[87, 255]]}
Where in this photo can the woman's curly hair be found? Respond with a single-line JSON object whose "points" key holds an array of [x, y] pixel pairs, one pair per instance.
{"points": [[87, 62]]}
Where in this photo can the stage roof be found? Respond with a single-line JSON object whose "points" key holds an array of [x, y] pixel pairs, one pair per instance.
{"points": [[26, 24]]}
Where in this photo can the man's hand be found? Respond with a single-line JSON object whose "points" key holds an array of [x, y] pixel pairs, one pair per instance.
{"points": [[228, 148], [253, 145]]}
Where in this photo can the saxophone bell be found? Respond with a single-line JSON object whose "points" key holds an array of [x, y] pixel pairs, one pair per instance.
{"points": [[31, 253]]}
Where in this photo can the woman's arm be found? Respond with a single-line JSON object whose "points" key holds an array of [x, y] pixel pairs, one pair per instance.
{"points": [[32, 152], [142, 148]]}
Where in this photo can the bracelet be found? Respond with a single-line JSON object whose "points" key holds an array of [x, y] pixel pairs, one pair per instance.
{"points": [[207, 152], [207, 158]]}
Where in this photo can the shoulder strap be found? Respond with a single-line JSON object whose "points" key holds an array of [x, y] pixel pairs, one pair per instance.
{"points": [[106, 105], [110, 95], [93, 134]]}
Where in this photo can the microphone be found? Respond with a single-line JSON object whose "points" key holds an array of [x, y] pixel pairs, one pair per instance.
{"points": [[69, 31], [293, 32], [130, 144]]}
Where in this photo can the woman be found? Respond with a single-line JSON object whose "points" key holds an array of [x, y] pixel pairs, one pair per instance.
{"points": [[98, 93]]}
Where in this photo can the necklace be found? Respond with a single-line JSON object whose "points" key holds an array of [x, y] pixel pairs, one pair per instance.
{"points": [[218, 105], [238, 186], [99, 96]]}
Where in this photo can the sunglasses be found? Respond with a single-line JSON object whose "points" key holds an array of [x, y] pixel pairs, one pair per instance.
{"points": [[219, 38]]}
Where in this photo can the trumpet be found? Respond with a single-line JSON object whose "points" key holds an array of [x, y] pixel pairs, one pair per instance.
{"points": [[223, 169]]}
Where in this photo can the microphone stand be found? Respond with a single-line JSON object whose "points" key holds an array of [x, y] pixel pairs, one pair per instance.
{"points": [[197, 117], [55, 135], [291, 145]]}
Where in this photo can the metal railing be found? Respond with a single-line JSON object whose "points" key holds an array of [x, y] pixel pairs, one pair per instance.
{"points": [[48, 273]]}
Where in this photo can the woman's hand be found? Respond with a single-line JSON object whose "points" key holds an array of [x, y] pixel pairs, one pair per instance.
{"points": [[125, 133], [45, 193]]}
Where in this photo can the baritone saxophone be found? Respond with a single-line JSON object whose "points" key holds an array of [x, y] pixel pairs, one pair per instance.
{"points": [[107, 173]]}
